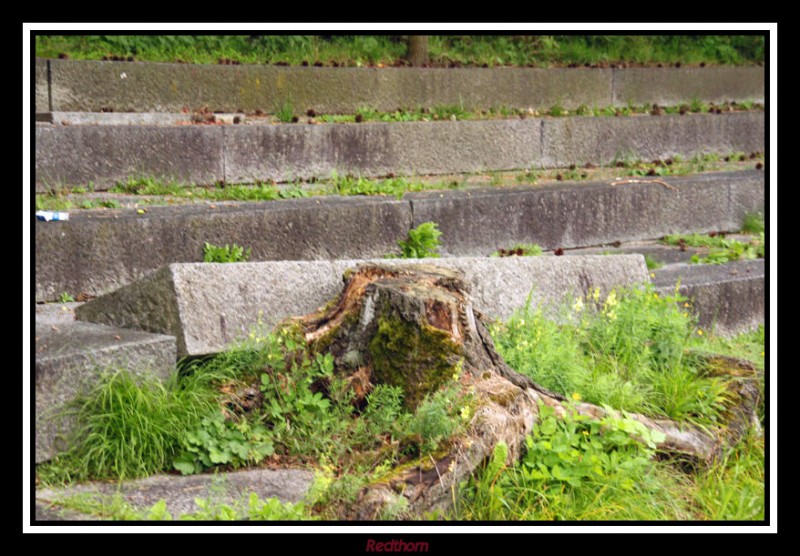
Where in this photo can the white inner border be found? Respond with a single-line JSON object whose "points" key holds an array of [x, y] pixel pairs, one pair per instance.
{"points": [[27, 369]]}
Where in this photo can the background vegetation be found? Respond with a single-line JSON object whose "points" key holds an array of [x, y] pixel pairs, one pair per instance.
{"points": [[350, 50]]}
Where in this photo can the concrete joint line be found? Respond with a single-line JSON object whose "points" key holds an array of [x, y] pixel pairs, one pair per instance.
{"points": [[541, 141], [49, 88], [614, 86], [224, 154]]}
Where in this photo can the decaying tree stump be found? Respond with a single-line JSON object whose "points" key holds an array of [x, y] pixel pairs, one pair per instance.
{"points": [[415, 327]]}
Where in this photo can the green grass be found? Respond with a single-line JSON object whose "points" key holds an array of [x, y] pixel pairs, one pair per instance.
{"points": [[652, 264], [285, 112], [695, 240], [251, 508], [579, 468], [353, 50], [130, 426], [722, 249], [624, 482], [753, 223], [520, 250], [625, 349]]}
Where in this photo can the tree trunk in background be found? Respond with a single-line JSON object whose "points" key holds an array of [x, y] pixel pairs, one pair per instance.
{"points": [[418, 50]]}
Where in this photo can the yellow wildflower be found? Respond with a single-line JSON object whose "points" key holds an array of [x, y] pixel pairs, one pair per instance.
{"points": [[686, 304], [578, 305], [596, 294], [652, 275], [699, 332], [576, 396]]}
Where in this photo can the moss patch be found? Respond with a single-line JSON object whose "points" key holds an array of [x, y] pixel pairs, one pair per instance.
{"points": [[418, 359]]}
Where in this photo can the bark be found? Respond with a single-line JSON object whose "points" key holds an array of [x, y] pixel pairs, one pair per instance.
{"points": [[418, 50], [415, 327]]}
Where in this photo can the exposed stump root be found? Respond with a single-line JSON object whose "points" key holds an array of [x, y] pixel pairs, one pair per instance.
{"points": [[415, 327]]}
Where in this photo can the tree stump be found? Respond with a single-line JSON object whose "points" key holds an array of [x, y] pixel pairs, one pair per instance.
{"points": [[415, 327]]}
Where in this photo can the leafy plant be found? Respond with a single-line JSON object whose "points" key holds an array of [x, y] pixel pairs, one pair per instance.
{"points": [[575, 467], [733, 250], [218, 441], [227, 254], [65, 298], [422, 242], [577, 449]]}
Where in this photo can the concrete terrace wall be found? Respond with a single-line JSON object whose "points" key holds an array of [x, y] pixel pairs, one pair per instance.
{"points": [[80, 85], [96, 252], [75, 155]]}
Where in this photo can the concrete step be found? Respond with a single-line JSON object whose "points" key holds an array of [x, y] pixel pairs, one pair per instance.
{"points": [[135, 118], [209, 306], [70, 356], [203, 154], [728, 298], [179, 493], [97, 251], [93, 86], [664, 254]]}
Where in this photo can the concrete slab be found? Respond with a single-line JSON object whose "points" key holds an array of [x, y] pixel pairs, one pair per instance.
{"points": [[104, 155], [588, 214], [132, 118], [729, 298], [179, 493], [77, 155], [56, 313], [672, 86], [70, 356], [90, 86], [665, 254], [284, 152], [209, 306], [81, 85], [84, 254], [46, 511], [578, 140], [100, 251], [41, 91]]}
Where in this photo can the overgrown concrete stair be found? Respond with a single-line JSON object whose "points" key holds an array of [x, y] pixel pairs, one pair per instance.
{"points": [[97, 252]]}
